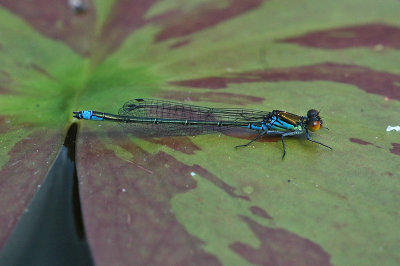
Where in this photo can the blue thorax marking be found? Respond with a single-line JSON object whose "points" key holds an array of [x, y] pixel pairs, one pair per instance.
{"points": [[278, 124]]}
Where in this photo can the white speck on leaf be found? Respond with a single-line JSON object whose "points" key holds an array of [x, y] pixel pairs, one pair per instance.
{"points": [[395, 128]]}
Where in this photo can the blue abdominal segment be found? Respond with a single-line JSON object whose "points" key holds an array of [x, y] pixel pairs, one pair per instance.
{"points": [[88, 115], [256, 127]]}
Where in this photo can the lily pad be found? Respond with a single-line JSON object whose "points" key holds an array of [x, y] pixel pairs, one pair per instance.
{"points": [[195, 199]]}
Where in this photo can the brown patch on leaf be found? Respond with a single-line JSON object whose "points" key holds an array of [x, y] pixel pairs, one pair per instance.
{"points": [[4, 90], [26, 168], [228, 189], [363, 142], [42, 71], [365, 78], [56, 20], [127, 208], [7, 124], [126, 204], [181, 143], [125, 17], [280, 247], [360, 141], [395, 149], [180, 44], [195, 169], [204, 16], [260, 212], [209, 83], [218, 97], [378, 35]]}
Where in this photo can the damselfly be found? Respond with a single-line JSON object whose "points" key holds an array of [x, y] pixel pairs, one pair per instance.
{"points": [[183, 119]]}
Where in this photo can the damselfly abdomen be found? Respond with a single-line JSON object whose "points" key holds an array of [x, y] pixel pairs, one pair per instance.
{"points": [[172, 118]]}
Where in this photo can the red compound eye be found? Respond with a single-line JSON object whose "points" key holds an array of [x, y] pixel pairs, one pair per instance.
{"points": [[314, 125]]}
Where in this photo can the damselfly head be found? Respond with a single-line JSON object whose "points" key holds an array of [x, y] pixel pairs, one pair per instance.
{"points": [[314, 122]]}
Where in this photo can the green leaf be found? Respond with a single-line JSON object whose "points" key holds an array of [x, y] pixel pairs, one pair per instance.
{"points": [[196, 199]]}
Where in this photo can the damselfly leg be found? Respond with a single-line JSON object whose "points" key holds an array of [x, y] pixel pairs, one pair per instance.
{"points": [[283, 141], [308, 138], [256, 138], [273, 132]]}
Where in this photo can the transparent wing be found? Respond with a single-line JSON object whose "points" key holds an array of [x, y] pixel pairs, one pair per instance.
{"points": [[153, 108]]}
